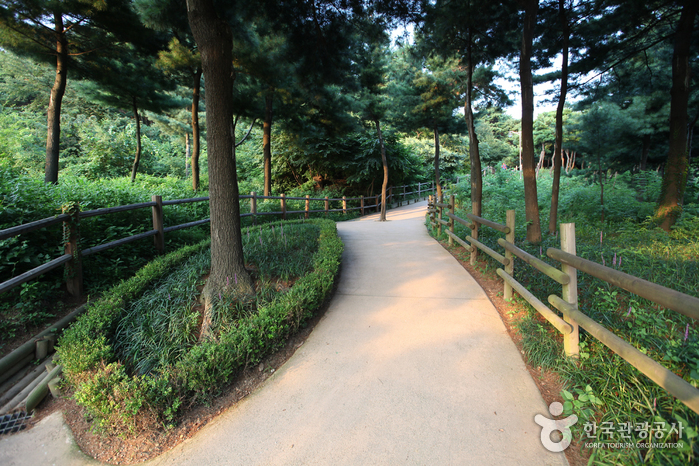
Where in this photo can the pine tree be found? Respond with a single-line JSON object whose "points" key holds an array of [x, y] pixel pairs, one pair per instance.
{"points": [[478, 32]]}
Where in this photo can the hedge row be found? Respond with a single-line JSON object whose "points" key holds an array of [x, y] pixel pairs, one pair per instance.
{"points": [[122, 403]]}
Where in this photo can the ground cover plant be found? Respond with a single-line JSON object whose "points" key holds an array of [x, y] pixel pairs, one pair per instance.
{"points": [[136, 357], [601, 387]]}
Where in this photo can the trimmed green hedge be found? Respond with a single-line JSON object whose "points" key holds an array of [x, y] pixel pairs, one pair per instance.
{"points": [[121, 403]]}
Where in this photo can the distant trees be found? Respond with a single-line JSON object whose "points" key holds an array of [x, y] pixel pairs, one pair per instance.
{"points": [[424, 95], [477, 33], [130, 81], [77, 31], [318, 71]]}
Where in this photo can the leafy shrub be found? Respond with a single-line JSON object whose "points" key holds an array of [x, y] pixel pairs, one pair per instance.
{"points": [[100, 383]]}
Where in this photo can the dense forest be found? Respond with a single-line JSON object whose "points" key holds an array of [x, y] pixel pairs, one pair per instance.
{"points": [[346, 96], [343, 96]]}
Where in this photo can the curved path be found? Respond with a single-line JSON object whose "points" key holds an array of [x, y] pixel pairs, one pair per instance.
{"points": [[411, 364]]}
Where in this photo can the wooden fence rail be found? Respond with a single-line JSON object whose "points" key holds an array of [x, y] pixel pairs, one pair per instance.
{"points": [[72, 215], [570, 321]]}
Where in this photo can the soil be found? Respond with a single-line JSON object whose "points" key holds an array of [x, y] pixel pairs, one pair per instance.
{"points": [[125, 450]]}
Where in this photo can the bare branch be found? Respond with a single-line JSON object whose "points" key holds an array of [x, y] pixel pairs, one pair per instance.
{"points": [[249, 131]]}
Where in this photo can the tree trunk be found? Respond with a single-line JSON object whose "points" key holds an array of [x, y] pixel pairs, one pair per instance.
{"points": [[531, 205], [267, 143], [137, 158], [558, 146], [542, 156], [215, 43], [473, 150], [675, 176], [437, 184], [601, 187], [690, 138], [53, 124], [187, 154], [196, 135], [384, 185]]}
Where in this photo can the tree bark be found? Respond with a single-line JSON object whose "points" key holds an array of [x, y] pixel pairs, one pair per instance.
{"points": [[137, 158], [437, 183], [267, 143], [196, 135], [215, 43], [531, 205], [675, 176], [542, 156], [473, 150], [384, 161], [187, 154], [53, 124], [558, 147]]}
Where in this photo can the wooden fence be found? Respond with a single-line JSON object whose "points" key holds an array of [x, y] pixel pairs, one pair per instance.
{"points": [[567, 303], [71, 216]]}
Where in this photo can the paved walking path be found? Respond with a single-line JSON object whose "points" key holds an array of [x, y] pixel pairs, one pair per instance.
{"points": [[411, 364]]}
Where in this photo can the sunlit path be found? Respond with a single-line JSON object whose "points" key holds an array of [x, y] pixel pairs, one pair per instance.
{"points": [[411, 364]]}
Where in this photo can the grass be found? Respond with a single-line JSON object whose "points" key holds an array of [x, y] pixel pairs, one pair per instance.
{"points": [[601, 387], [161, 325]]}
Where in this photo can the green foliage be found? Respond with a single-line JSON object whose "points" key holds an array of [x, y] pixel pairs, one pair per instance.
{"points": [[352, 161], [123, 403]]}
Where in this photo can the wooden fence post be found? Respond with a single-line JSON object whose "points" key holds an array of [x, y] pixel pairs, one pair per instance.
{"points": [[308, 205], [418, 192], [253, 206], [474, 235], [344, 205], [327, 205], [405, 196], [159, 238], [570, 291], [451, 220], [510, 238], [361, 203], [71, 237], [283, 201], [389, 198]]}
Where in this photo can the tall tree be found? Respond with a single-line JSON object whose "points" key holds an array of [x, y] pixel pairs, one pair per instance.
{"points": [[373, 73], [181, 59], [68, 32], [676, 169], [531, 204], [558, 146], [215, 43], [478, 32], [424, 95]]}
